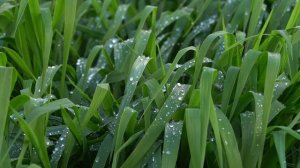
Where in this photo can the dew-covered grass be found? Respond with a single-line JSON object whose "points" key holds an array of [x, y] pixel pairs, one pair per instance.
{"points": [[148, 83]]}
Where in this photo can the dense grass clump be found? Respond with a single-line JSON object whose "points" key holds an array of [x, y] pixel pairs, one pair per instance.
{"points": [[150, 83]]}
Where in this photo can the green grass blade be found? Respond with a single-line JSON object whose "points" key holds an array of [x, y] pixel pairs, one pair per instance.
{"points": [[171, 144], [5, 91], [98, 98], [126, 117], [229, 83], [279, 140], [247, 65], [136, 72], [19, 61], [119, 16], [164, 115], [103, 152], [40, 146], [48, 108], [230, 145], [294, 17], [70, 13], [193, 126]]}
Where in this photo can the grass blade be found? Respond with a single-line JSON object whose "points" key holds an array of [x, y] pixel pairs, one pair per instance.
{"points": [[171, 144]]}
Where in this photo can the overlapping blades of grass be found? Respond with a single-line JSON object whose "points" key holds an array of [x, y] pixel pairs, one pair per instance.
{"points": [[125, 106], [164, 115]]}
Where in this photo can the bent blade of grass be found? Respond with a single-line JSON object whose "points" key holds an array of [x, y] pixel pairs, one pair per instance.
{"points": [[98, 97], [246, 67], [180, 71], [141, 41], [70, 13], [43, 83], [288, 130], [39, 145], [19, 61], [171, 143], [5, 92], [164, 115], [202, 53], [125, 119], [166, 77], [48, 108], [92, 55], [135, 74], [273, 66], [198, 119], [271, 76]]}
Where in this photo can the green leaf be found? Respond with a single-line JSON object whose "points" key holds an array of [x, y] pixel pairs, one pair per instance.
{"points": [[171, 144], [6, 75], [164, 115]]}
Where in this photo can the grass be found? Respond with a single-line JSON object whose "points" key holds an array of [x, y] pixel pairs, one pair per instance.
{"points": [[128, 83]]}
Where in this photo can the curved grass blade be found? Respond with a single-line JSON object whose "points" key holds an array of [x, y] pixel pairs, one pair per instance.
{"points": [[202, 53], [97, 100], [40, 146], [125, 119], [48, 108], [247, 65], [17, 59], [135, 74], [43, 82], [164, 115]]}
